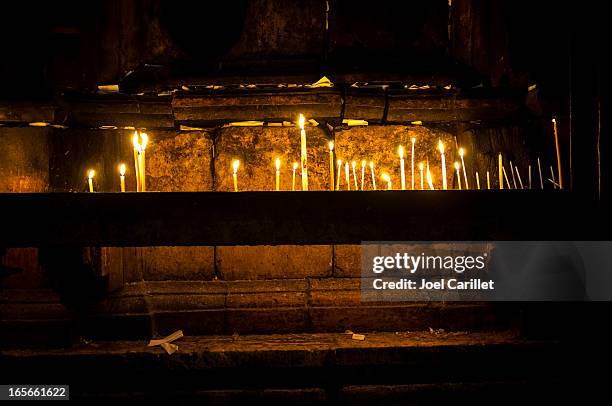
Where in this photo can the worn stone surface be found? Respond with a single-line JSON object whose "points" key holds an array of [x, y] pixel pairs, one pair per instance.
{"points": [[273, 262], [380, 144], [178, 263], [257, 149], [24, 160], [179, 162]]}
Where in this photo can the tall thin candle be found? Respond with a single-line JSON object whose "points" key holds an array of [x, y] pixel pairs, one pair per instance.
{"points": [[412, 162], [540, 172], [303, 153], [402, 173], [500, 164], [295, 165], [387, 179], [429, 178], [331, 165], [458, 174], [347, 174], [477, 181], [363, 165], [441, 148], [136, 143], [144, 140], [488, 181], [339, 172], [353, 165], [422, 179], [373, 175], [461, 153], [512, 173], [560, 172], [529, 176], [518, 174]]}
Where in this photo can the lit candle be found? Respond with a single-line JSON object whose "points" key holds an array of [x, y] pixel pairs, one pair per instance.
{"points": [[136, 143], [458, 174], [144, 139], [363, 165], [461, 153], [331, 165], [422, 179], [277, 174], [540, 172], [295, 165], [90, 176], [529, 176], [347, 174], [387, 179], [500, 166], [303, 153], [429, 178], [488, 181], [554, 121], [441, 148], [412, 162], [235, 165], [122, 176], [373, 175], [339, 173], [477, 181], [354, 164], [512, 173], [403, 174], [518, 174]]}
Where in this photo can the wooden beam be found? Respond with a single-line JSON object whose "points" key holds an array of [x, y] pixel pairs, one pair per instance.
{"points": [[277, 218]]}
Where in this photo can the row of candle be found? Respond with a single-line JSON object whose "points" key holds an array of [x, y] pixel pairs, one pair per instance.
{"points": [[140, 141], [424, 170]]}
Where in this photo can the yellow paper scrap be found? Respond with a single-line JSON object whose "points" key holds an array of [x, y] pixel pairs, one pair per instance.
{"points": [[351, 122], [323, 82], [246, 124], [169, 347], [358, 337], [109, 88], [172, 337]]}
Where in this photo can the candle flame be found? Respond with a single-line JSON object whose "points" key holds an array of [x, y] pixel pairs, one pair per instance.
{"points": [[91, 173], [331, 146], [401, 152], [421, 165], [235, 165], [122, 169], [457, 165], [136, 141], [461, 152], [385, 177], [339, 162], [554, 120], [301, 121], [363, 163], [353, 164], [295, 165], [144, 140], [277, 164], [413, 140], [372, 164], [441, 146]]}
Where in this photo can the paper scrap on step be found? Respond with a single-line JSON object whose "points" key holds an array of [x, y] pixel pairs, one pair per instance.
{"points": [[108, 88], [351, 122], [358, 337], [166, 342], [246, 124], [323, 82]]}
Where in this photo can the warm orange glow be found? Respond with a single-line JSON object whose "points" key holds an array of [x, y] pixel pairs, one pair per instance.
{"points": [[387, 179], [441, 146], [144, 138], [331, 145], [91, 173], [461, 152], [401, 152], [136, 141], [295, 165], [235, 165], [122, 169], [301, 121], [277, 164]]}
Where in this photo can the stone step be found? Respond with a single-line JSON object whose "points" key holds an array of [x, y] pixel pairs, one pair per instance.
{"points": [[305, 368]]}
